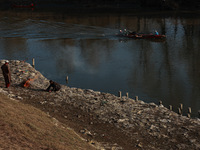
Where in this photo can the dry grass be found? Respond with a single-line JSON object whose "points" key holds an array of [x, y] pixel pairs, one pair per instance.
{"points": [[25, 127]]}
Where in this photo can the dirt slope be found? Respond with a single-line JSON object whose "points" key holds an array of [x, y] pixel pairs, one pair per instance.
{"points": [[24, 127]]}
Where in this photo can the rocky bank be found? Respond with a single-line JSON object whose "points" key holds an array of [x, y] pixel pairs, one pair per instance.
{"points": [[114, 122]]}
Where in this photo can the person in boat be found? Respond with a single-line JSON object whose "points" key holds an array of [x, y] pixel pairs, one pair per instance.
{"points": [[53, 86], [121, 32], [128, 32], [6, 73], [156, 32], [124, 32]]}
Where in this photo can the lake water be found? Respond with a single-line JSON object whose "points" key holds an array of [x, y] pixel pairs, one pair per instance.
{"points": [[84, 48]]}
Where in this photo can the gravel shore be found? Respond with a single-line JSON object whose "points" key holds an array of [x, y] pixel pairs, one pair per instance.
{"points": [[114, 122]]}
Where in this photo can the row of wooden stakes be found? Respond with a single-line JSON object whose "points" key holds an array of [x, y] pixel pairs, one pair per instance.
{"points": [[179, 109]]}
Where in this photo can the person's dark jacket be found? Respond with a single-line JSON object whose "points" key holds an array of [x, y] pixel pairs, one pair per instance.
{"points": [[53, 86], [6, 73]]}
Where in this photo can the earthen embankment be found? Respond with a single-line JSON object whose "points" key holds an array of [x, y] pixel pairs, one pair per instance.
{"points": [[115, 122]]}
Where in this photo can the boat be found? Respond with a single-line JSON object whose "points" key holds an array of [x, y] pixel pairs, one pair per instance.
{"points": [[152, 36], [135, 35], [32, 5]]}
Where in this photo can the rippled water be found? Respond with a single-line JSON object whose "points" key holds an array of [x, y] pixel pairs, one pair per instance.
{"points": [[85, 48]]}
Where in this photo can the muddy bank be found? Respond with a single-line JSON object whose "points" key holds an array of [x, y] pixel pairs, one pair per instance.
{"points": [[118, 123]]}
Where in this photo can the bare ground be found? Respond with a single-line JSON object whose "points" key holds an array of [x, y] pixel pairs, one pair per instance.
{"points": [[25, 127], [150, 126]]}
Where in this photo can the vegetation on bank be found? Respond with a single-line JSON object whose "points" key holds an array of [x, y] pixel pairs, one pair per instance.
{"points": [[25, 127]]}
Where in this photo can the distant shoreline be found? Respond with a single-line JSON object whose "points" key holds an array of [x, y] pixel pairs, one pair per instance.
{"points": [[138, 11], [101, 6]]}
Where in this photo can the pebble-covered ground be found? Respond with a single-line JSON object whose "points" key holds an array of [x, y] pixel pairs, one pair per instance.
{"points": [[115, 122]]}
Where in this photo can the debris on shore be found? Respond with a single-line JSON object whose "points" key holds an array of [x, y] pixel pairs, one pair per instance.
{"points": [[116, 122]]}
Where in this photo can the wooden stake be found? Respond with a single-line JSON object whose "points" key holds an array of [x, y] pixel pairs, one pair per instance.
{"points": [[127, 94], [179, 111], [181, 107], [170, 107], [136, 98], [188, 115], [33, 63], [67, 79], [120, 94], [189, 110]]}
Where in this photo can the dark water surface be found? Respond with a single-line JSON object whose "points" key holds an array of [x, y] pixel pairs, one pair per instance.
{"points": [[85, 48]]}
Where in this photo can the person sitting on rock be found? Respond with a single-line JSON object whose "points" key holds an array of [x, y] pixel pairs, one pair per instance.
{"points": [[53, 86]]}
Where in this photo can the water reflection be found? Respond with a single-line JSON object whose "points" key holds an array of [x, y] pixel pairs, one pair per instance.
{"points": [[12, 47], [86, 49]]}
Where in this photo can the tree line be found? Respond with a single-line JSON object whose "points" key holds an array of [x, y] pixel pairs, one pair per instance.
{"points": [[136, 4]]}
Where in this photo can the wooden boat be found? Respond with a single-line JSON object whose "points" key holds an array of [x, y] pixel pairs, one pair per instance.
{"points": [[134, 35], [152, 36], [32, 5]]}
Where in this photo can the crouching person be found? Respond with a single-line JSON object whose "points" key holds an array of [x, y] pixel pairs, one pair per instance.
{"points": [[53, 86]]}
